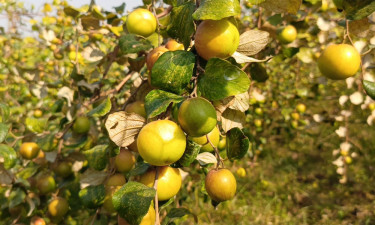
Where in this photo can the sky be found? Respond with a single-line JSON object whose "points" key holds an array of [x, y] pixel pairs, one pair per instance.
{"points": [[105, 4]]}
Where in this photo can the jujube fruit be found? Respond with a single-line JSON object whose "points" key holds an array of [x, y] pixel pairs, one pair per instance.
{"points": [[141, 22], [161, 142], [214, 137], [29, 150], [220, 185]]}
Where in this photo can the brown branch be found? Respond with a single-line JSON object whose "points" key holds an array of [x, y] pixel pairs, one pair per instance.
{"points": [[259, 25], [218, 158], [133, 95], [165, 12], [157, 20], [157, 220]]}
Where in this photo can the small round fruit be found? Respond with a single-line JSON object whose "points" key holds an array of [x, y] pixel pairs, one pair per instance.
{"points": [[241, 172], [107, 204], [294, 124], [154, 55], [64, 169], [339, 61], [38, 113], [214, 137], [216, 38], [173, 45], [371, 106], [58, 207], [220, 185], [81, 125], [222, 143], [29, 150], [259, 111], [287, 34], [295, 116], [258, 122], [301, 108], [124, 161], [46, 184], [169, 181], [36, 220], [197, 116], [141, 22], [116, 180], [148, 219], [161, 142], [137, 107]]}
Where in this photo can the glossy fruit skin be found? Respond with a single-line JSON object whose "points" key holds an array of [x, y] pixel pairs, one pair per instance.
{"points": [[216, 38], [137, 107], [58, 207], [214, 137], [116, 180], [154, 55], [220, 185], [339, 61], [148, 219], [287, 34], [46, 184], [241, 172], [197, 116], [173, 45], [169, 181], [141, 22], [161, 142], [222, 143], [258, 122], [29, 150], [107, 204], [81, 125], [124, 161]]}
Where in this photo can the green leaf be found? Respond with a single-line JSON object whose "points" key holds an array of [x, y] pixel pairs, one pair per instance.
{"points": [[28, 172], [9, 155], [191, 152], [258, 72], [3, 131], [120, 9], [173, 70], [133, 201], [131, 43], [36, 125], [5, 112], [139, 169], [46, 143], [181, 27], [369, 88], [102, 109], [92, 196], [237, 144], [178, 212], [16, 197], [157, 102], [290, 52], [222, 79], [282, 6], [71, 11], [275, 19], [97, 157], [217, 9], [358, 9]]}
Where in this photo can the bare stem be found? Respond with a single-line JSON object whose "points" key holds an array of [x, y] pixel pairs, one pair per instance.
{"points": [[157, 20], [218, 158], [157, 220]]}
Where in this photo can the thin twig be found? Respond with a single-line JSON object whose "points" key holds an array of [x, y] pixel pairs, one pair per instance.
{"points": [[259, 25], [157, 20], [157, 221], [165, 12], [133, 95], [218, 158]]}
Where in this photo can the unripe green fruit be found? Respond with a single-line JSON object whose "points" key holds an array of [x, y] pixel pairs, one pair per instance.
{"points": [[46, 184], [197, 116], [287, 34], [81, 125], [124, 161], [58, 207]]}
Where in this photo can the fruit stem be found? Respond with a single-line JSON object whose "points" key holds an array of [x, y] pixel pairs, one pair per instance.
{"points": [[157, 222], [219, 160], [157, 20]]}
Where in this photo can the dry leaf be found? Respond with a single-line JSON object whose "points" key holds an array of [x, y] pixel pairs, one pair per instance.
{"points": [[241, 102], [360, 28], [92, 177], [241, 58], [253, 41], [206, 158], [232, 118], [222, 105], [123, 127]]}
